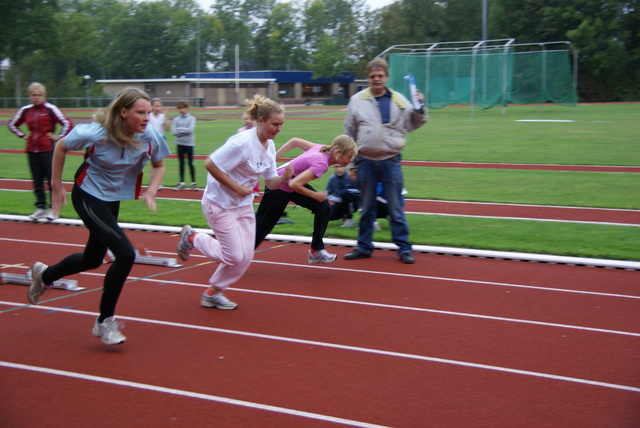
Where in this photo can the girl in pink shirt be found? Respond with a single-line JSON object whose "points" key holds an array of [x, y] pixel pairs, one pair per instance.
{"points": [[310, 165]]}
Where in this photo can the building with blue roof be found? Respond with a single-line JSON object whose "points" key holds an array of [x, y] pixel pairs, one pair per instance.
{"points": [[213, 89]]}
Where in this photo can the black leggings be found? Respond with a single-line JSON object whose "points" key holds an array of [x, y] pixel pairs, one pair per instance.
{"points": [[273, 204], [101, 218], [40, 165], [188, 152]]}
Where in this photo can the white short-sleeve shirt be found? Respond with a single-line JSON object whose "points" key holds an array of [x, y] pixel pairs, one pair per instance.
{"points": [[244, 160]]}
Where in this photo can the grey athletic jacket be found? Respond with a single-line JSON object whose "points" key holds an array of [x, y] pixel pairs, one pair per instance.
{"points": [[378, 141], [183, 127]]}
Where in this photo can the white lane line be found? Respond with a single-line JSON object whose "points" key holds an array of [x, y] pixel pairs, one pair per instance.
{"points": [[545, 120], [506, 255], [17, 305], [436, 278], [372, 304], [458, 280], [547, 220], [509, 204], [377, 304], [189, 394], [353, 349]]}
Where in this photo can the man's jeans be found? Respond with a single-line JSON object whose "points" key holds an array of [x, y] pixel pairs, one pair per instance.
{"points": [[389, 173]]}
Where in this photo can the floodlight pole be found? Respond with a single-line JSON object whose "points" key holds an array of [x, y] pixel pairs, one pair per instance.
{"points": [[238, 75], [87, 82], [484, 20], [196, 100]]}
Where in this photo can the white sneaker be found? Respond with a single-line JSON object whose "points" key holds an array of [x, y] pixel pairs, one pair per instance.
{"points": [[109, 331], [179, 186], [184, 246], [51, 216], [218, 300], [321, 256], [37, 287], [194, 186], [347, 222], [38, 214]]}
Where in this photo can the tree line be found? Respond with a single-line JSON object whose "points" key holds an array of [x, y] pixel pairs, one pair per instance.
{"points": [[59, 42]]}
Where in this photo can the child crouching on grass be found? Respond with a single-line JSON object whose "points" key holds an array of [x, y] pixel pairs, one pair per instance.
{"points": [[310, 165], [344, 195]]}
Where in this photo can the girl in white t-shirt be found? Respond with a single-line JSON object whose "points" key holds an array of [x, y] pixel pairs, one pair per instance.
{"points": [[159, 120], [158, 117], [246, 125], [227, 203]]}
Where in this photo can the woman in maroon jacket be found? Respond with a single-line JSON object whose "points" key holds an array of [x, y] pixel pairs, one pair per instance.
{"points": [[41, 118]]}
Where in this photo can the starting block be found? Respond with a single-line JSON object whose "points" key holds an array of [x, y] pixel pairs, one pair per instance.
{"points": [[143, 258], [61, 284], [158, 261]]}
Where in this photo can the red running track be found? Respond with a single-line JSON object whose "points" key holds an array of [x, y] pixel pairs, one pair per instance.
{"points": [[447, 342], [434, 164]]}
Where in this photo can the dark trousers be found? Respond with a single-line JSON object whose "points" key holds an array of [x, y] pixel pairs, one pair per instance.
{"points": [[101, 218], [345, 209], [188, 152], [40, 165], [273, 204], [389, 173]]}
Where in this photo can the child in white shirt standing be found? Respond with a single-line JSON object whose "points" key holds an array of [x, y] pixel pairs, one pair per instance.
{"points": [[158, 117]]}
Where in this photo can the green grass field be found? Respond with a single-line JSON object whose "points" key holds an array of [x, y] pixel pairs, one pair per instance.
{"points": [[599, 134]]}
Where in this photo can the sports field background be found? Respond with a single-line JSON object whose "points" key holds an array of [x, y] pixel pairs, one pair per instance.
{"points": [[589, 134]]}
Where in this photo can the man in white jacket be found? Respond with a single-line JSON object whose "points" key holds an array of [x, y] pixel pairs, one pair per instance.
{"points": [[378, 119]]}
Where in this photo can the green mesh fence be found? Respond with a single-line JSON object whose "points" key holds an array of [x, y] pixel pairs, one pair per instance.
{"points": [[543, 76], [485, 78]]}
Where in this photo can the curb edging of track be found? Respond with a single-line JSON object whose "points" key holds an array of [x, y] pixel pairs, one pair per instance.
{"points": [[464, 252]]}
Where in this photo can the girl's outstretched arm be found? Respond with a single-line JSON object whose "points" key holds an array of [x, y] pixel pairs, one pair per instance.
{"points": [[294, 143]]}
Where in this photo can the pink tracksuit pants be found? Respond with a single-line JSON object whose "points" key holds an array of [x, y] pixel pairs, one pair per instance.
{"points": [[232, 247]]}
